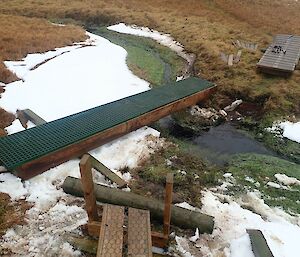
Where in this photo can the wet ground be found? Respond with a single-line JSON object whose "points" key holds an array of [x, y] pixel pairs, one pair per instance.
{"points": [[218, 144]]}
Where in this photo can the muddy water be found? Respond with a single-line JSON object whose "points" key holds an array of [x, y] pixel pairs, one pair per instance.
{"points": [[218, 144]]}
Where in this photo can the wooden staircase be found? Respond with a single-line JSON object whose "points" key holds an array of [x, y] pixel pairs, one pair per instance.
{"points": [[123, 231]]}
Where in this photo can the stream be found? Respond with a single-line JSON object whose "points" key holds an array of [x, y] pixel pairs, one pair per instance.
{"points": [[216, 145]]}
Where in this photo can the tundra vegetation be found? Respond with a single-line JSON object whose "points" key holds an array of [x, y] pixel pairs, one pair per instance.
{"points": [[205, 28]]}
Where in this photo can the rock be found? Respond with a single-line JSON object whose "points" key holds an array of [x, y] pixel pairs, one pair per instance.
{"points": [[233, 106], [196, 119]]}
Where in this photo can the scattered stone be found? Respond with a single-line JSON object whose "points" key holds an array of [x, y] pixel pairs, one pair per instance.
{"points": [[286, 180], [233, 106], [3, 169], [197, 119], [227, 175], [273, 184], [223, 113], [195, 237]]}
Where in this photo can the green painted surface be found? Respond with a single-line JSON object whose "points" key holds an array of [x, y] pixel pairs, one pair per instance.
{"points": [[31, 144]]}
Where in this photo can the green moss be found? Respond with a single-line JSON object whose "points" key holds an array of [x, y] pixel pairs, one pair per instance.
{"points": [[146, 58], [191, 174], [282, 146], [253, 172]]}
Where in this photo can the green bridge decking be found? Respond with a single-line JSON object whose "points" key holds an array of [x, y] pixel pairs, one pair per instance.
{"points": [[37, 149]]}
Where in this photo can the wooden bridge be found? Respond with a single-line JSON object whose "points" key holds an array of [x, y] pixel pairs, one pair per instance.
{"points": [[282, 56], [35, 150]]}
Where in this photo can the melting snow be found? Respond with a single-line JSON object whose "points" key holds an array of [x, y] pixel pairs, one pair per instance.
{"points": [[286, 129], [286, 180], [53, 90], [291, 130], [163, 39]]}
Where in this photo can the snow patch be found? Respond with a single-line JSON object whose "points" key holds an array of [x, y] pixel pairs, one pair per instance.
{"points": [[286, 180], [91, 69], [291, 130], [12, 186], [163, 39], [231, 222], [286, 129]]}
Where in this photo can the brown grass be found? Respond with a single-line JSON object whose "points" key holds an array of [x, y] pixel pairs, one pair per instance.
{"points": [[5, 120], [21, 35], [11, 213], [205, 28]]}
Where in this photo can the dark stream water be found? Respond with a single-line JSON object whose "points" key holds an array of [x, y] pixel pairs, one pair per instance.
{"points": [[218, 144]]}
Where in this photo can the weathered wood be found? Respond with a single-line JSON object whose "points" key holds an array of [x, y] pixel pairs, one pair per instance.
{"points": [[107, 172], [139, 233], [230, 60], [33, 117], [159, 239], [259, 243], [179, 216], [88, 188], [94, 228], [82, 243], [51, 160], [111, 233], [168, 204], [237, 58]]}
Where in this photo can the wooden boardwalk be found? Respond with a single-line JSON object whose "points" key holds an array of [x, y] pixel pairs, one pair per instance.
{"points": [[282, 56], [38, 149]]}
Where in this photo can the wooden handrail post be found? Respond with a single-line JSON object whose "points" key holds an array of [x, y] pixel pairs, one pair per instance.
{"points": [[168, 203], [88, 187]]}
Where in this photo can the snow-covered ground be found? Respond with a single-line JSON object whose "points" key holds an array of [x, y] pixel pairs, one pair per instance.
{"points": [[162, 38], [286, 129], [230, 238], [56, 88]]}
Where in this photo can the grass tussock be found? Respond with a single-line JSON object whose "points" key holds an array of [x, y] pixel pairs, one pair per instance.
{"points": [[11, 213], [191, 175], [6, 120], [253, 172], [205, 28], [21, 35]]}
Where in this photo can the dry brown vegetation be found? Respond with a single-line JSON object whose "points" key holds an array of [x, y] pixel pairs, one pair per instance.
{"points": [[22, 35], [11, 213], [206, 28]]}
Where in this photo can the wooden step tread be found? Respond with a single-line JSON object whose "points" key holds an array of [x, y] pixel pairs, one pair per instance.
{"points": [[139, 233], [111, 232]]}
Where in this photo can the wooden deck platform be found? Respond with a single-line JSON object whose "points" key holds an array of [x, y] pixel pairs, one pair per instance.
{"points": [[38, 149], [282, 56]]}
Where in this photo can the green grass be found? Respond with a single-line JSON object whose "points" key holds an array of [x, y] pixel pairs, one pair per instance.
{"points": [[282, 146], [191, 173], [146, 58], [253, 172]]}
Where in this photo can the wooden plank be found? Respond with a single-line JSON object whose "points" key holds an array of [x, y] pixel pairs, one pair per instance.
{"points": [[94, 228], [111, 233], [33, 117], [51, 160], [107, 172], [238, 56], [168, 204], [88, 188], [139, 233], [259, 243], [230, 60], [159, 239], [284, 61]]}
